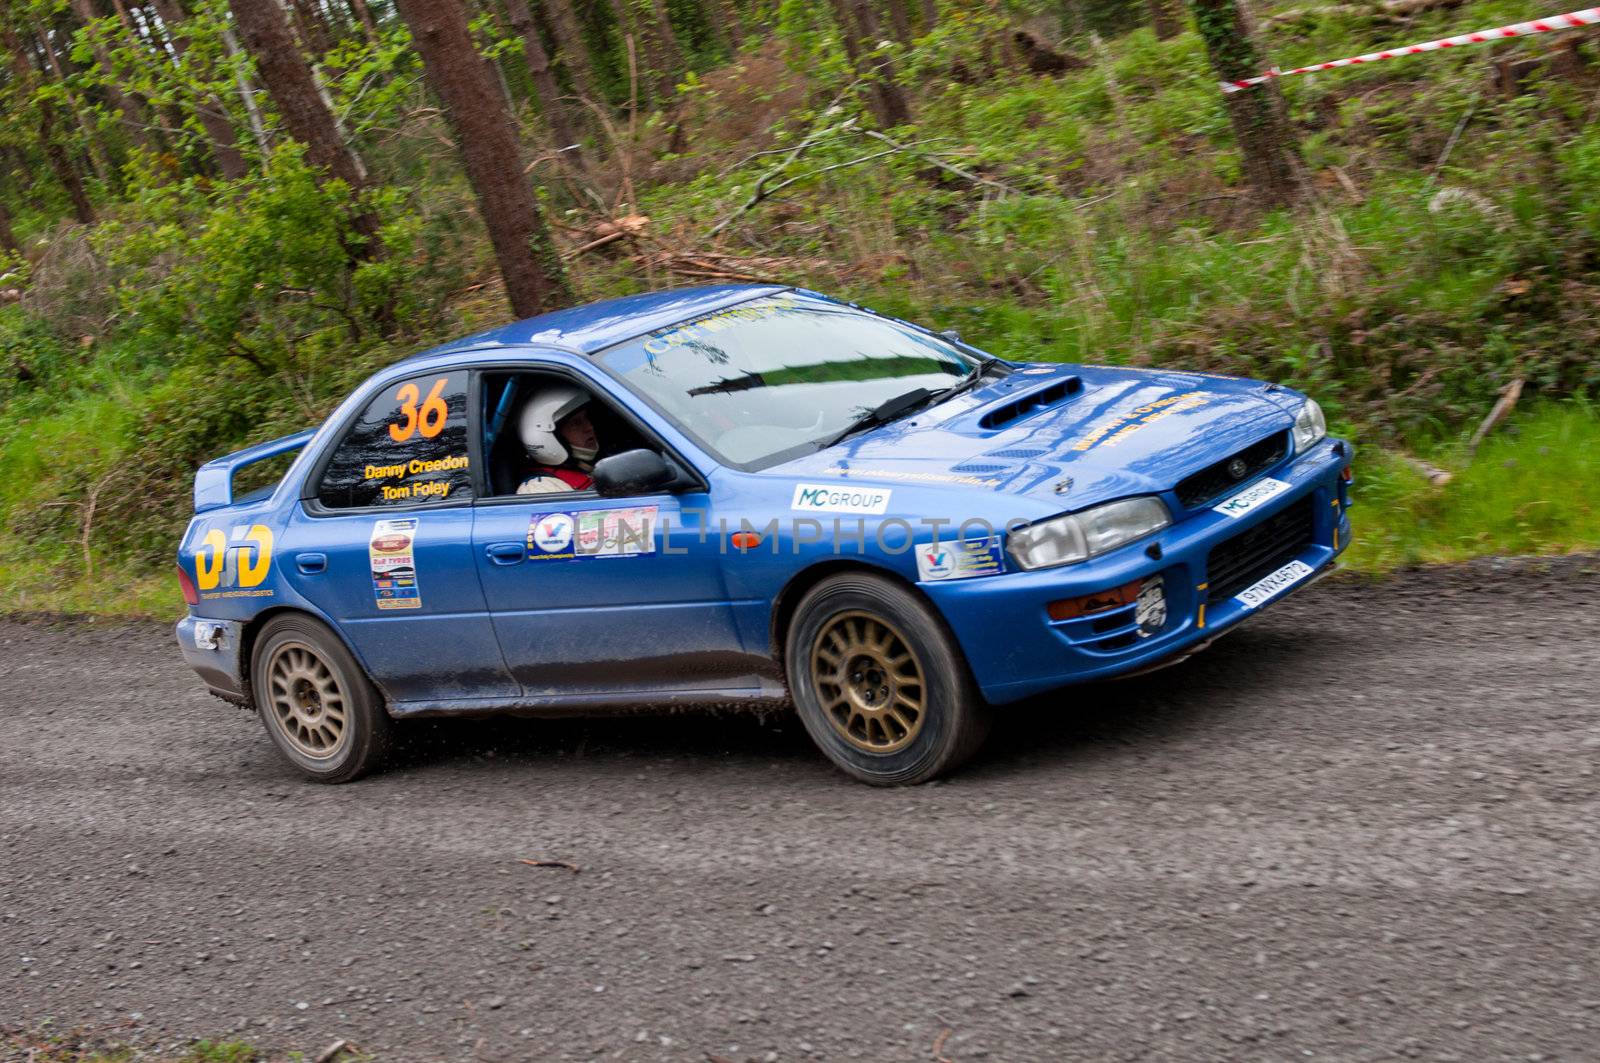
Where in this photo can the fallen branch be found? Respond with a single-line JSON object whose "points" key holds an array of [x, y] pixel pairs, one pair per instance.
{"points": [[1436, 476], [762, 194], [609, 232], [327, 1055], [760, 191], [1397, 10], [574, 868], [938, 1046], [1508, 401], [1450, 145], [712, 265], [966, 175]]}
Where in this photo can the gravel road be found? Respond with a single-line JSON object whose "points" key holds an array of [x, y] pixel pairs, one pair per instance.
{"points": [[1363, 827]]}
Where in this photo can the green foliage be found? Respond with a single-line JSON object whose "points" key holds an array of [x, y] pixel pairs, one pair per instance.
{"points": [[1533, 488], [47, 1046], [272, 272]]}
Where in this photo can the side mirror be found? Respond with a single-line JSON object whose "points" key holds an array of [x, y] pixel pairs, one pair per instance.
{"points": [[633, 472]]}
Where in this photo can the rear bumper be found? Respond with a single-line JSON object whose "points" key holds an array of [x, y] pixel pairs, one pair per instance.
{"points": [[213, 649], [1016, 650]]}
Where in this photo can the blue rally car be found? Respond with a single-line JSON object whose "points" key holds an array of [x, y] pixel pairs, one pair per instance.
{"points": [[745, 493]]}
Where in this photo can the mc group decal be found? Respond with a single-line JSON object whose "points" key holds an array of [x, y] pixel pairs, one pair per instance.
{"points": [[235, 563], [832, 498]]}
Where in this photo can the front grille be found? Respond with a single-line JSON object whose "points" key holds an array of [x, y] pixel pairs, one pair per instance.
{"points": [[1258, 551], [1215, 479]]}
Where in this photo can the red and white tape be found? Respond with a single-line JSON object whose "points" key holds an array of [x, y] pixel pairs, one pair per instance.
{"points": [[1587, 17]]}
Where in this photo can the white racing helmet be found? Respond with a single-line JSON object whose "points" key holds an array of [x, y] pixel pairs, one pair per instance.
{"points": [[540, 416]]}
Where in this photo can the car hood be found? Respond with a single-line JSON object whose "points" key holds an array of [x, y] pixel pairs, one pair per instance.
{"points": [[1071, 436]]}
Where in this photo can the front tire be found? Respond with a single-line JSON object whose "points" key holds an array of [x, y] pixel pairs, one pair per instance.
{"points": [[318, 706], [880, 683]]}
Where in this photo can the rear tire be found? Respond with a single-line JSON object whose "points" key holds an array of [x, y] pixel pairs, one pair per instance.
{"points": [[318, 706], [880, 683]]}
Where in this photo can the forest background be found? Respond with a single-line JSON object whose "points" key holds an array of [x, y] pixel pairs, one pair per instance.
{"points": [[217, 216]]}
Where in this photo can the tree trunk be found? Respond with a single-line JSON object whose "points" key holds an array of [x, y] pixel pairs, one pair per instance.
{"points": [[56, 155], [1268, 151], [486, 137], [1163, 19], [556, 113], [247, 94], [62, 164], [313, 31], [363, 15], [858, 26], [8, 238], [668, 61], [135, 123], [900, 21], [571, 51], [289, 81], [208, 109], [99, 159], [930, 15], [722, 17]]}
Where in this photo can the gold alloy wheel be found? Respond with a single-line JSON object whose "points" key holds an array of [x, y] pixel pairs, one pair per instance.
{"points": [[307, 703], [869, 682]]}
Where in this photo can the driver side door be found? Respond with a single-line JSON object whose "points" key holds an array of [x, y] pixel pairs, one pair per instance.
{"points": [[606, 599]]}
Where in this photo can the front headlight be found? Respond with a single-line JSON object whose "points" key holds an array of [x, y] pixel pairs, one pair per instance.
{"points": [[1309, 427], [1080, 536]]}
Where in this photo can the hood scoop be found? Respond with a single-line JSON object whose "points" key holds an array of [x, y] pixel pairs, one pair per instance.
{"points": [[1030, 403]]}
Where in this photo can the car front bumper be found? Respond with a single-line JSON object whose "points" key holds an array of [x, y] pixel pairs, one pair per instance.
{"points": [[213, 649], [1016, 650]]}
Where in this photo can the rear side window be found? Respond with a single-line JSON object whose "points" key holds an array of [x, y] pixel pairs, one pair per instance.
{"points": [[408, 448]]}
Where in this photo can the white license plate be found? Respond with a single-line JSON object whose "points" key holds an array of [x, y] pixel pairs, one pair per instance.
{"points": [[1251, 497], [1264, 590]]}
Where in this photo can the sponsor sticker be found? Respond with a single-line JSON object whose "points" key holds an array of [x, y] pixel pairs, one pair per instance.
{"points": [[960, 560], [1251, 497], [617, 532], [234, 563], [551, 535], [566, 536], [918, 477], [209, 636], [393, 563], [1264, 590], [1150, 608], [832, 498], [1113, 430]]}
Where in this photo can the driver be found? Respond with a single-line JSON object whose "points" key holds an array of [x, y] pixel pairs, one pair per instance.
{"points": [[559, 437]]}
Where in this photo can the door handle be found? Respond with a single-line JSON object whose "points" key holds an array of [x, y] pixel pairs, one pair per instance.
{"points": [[506, 553], [311, 564]]}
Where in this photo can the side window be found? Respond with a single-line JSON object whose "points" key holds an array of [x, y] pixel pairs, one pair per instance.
{"points": [[409, 447], [543, 433]]}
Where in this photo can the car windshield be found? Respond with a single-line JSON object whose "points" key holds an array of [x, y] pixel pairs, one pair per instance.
{"points": [[777, 377]]}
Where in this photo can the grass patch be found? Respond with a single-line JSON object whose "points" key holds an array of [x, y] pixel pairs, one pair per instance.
{"points": [[76, 1048], [1533, 488]]}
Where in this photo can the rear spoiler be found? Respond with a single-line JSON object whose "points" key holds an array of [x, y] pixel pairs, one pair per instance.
{"points": [[213, 484]]}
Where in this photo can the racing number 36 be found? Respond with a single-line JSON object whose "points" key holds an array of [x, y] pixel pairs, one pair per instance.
{"points": [[428, 419]]}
